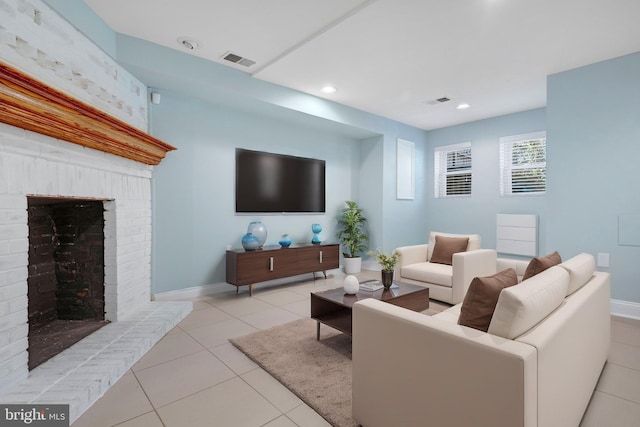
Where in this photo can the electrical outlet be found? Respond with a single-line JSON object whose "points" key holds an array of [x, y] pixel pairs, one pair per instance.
{"points": [[603, 259]]}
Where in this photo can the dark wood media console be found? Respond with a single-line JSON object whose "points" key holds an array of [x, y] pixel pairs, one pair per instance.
{"points": [[275, 262]]}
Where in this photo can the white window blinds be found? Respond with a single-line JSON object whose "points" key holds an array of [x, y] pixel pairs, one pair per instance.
{"points": [[452, 166], [523, 164]]}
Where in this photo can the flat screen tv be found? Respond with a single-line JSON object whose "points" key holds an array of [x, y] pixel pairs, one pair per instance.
{"points": [[277, 183]]}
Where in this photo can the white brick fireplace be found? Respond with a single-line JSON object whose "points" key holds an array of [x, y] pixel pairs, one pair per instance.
{"points": [[55, 81], [32, 164]]}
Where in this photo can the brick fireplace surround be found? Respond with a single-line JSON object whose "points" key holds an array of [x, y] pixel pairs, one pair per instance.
{"points": [[32, 164], [73, 125]]}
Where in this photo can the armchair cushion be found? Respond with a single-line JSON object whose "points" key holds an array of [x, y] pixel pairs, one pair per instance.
{"points": [[445, 247], [540, 264], [482, 297], [447, 283], [438, 274]]}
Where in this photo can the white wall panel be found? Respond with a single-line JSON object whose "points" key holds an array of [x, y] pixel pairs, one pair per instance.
{"points": [[517, 234]]}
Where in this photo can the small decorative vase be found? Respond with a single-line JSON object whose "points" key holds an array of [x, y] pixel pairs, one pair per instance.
{"points": [[250, 242], [259, 230], [387, 278], [350, 285], [285, 241], [316, 228]]}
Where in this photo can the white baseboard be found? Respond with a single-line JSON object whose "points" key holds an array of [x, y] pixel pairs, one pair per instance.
{"points": [[214, 288], [191, 293], [625, 309]]}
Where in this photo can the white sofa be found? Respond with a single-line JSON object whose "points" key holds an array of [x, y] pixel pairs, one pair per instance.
{"points": [[536, 366], [447, 283]]}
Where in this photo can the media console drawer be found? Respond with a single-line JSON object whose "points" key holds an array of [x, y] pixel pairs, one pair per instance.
{"points": [[275, 262]]}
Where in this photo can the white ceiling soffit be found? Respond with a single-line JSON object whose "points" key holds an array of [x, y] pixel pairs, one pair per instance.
{"points": [[395, 57], [259, 30]]}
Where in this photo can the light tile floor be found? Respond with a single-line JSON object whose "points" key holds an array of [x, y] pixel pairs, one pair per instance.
{"points": [[195, 377]]}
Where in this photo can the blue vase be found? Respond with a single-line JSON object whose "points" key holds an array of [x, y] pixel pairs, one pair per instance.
{"points": [[285, 241], [250, 242], [316, 228], [259, 230]]}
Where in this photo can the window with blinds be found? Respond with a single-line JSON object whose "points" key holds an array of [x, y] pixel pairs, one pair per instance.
{"points": [[523, 164], [452, 166]]}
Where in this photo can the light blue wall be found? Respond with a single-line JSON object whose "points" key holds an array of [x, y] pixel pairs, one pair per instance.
{"points": [[373, 172], [370, 182], [392, 222], [477, 213], [193, 188], [594, 147], [402, 220]]}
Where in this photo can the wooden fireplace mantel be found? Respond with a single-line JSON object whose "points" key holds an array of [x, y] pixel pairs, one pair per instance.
{"points": [[29, 104]]}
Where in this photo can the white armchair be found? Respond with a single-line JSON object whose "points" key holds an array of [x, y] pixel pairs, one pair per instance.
{"points": [[447, 283]]}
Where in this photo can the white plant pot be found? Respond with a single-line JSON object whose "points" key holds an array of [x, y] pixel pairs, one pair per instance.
{"points": [[352, 265]]}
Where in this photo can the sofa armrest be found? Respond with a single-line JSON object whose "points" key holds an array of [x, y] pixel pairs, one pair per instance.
{"points": [[573, 344], [470, 264], [410, 255], [409, 368]]}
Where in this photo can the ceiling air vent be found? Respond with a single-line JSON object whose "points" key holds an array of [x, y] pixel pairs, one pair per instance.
{"points": [[237, 59], [439, 100]]}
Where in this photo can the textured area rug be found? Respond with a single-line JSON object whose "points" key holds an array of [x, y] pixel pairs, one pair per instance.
{"points": [[318, 372]]}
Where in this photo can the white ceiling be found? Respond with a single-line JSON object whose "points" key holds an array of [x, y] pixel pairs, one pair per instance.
{"points": [[392, 57]]}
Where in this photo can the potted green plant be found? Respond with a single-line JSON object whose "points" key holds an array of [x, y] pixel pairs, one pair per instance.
{"points": [[353, 236], [388, 264]]}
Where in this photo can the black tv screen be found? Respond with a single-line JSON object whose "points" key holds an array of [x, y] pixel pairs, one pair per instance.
{"points": [[277, 183]]}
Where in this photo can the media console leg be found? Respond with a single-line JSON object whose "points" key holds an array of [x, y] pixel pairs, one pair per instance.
{"points": [[317, 330], [250, 289], [325, 273]]}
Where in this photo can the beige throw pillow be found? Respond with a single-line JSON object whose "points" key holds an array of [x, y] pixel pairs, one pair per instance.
{"points": [[445, 247], [481, 298], [540, 264]]}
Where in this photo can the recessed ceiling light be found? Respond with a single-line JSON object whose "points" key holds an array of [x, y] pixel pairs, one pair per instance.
{"points": [[188, 43], [329, 89], [463, 106]]}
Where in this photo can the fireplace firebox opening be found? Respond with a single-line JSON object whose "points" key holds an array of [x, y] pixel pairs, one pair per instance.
{"points": [[66, 273]]}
